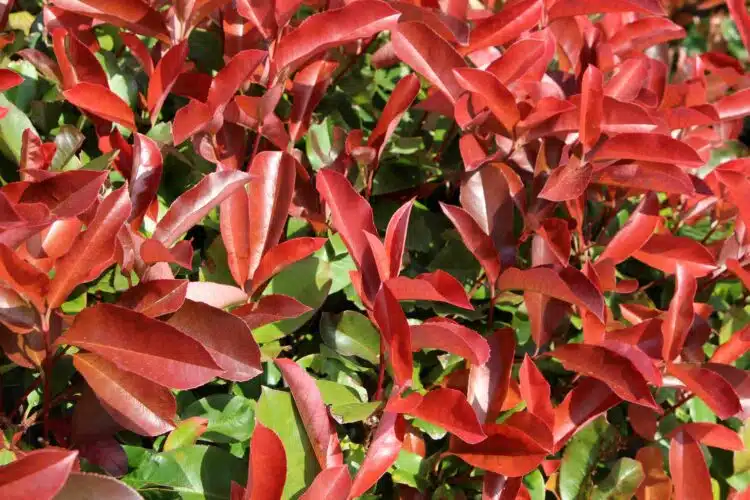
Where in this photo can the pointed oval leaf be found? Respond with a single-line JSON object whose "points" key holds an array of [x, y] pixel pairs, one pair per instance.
{"points": [[333, 483], [42, 472], [268, 465], [102, 102], [452, 337]]}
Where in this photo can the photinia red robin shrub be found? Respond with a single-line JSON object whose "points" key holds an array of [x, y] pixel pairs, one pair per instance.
{"points": [[260, 249]]}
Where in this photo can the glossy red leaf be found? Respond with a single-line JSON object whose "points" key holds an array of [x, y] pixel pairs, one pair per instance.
{"points": [[318, 424], [82, 484], [9, 79], [664, 252], [231, 77], [153, 251], [66, 194], [102, 102], [476, 240], [395, 238], [194, 204], [588, 399], [333, 483], [189, 120], [394, 329], [270, 309], [506, 25], [136, 15], [334, 27], [145, 175], [488, 383], [437, 286], [308, 89], [636, 231], [381, 454], [535, 390], [401, 98], [648, 147], [676, 325], [568, 285], [708, 385], [734, 348], [155, 298], [268, 465], [283, 255], [270, 192], [134, 402], [710, 434], [687, 465], [39, 473], [261, 14], [643, 420], [507, 450], [499, 100], [646, 176], [644, 33], [449, 336], [592, 104], [741, 17], [570, 8], [225, 336], [615, 370], [139, 50], [134, 342], [91, 248], [419, 46], [164, 77], [734, 106], [568, 181], [446, 408]]}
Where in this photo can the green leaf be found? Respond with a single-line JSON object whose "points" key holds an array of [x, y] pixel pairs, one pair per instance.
{"points": [[194, 472], [276, 410], [354, 412], [307, 281], [408, 469], [621, 483], [11, 130], [580, 457], [24, 94], [186, 433], [742, 458], [351, 334], [230, 418], [534, 482], [68, 141]]}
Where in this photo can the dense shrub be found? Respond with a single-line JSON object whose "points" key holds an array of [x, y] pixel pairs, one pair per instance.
{"points": [[259, 250]]}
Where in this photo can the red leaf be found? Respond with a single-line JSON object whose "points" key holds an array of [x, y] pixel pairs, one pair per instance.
{"points": [[102, 102], [568, 285], [394, 329], [268, 466], [567, 182], [135, 15], [309, 87], [270, 192], [648, 147], [570, 8], [401, 98], [446, 408], [635, 233], [320, 429], [134, 402], [495, 95], [507, 450], [145, 175], [643, 421], [488, 382], [361, 19], [664, 252], [711, 387], [449, 336], [194, 204], [98, 486], [676, 325], [9, 79], [741, 17], [505, 26], [646, 176], [189, 120], [270, 309], [153, 251], [41, 472], [165, 75], [284, 255], [710, 434], [91, 248], [535, 390], [352, 217], [231, 77], [476, 240], [155, 298], [420, 47], [135, 342], [690, 474], [592, 107], [234, 349], [437, 285], [734, 106], [641, 34], [588, 399], [66, 194], [395, 238], [381, 454], [333, 483], [611, 368], [630, 74], [734, 348], [139, 50]]}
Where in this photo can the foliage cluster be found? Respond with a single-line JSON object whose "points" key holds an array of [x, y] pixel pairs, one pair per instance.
{"points": [[265, 249]]}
